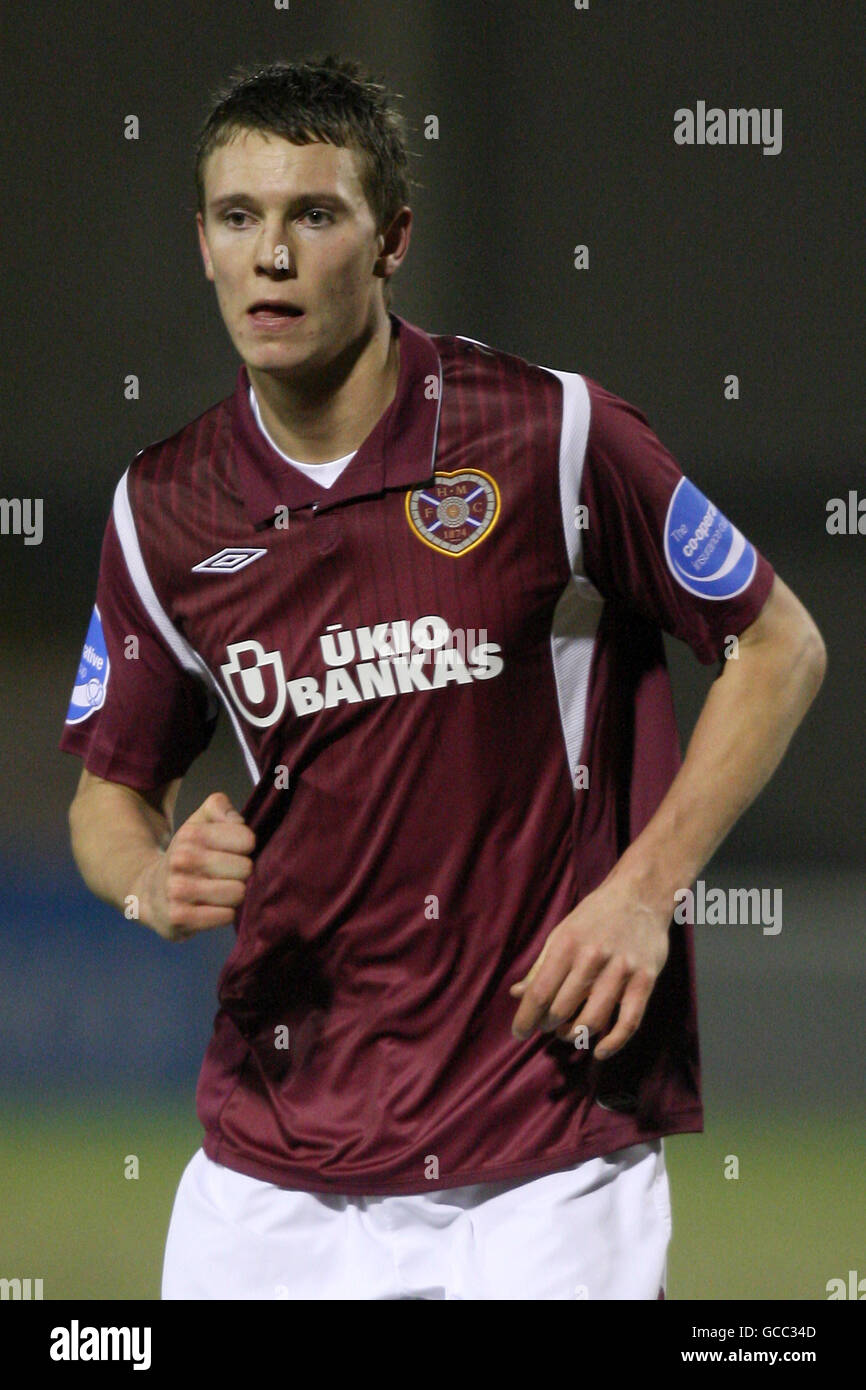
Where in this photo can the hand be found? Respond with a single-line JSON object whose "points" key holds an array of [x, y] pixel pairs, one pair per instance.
{"points": [[608, 951], [200, 879]]}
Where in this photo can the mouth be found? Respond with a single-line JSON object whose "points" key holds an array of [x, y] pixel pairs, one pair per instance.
{"points": [[273, 314], [275, 306]]}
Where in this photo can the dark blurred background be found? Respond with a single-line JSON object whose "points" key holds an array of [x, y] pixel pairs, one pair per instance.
{"points": [[555, 129]]}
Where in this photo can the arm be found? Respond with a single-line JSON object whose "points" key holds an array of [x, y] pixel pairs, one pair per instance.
{"points": [[124, 844], [610, 950]]}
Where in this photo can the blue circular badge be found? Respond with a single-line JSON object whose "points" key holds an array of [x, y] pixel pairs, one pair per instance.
{"points": [[704, 551], [91, 679]]}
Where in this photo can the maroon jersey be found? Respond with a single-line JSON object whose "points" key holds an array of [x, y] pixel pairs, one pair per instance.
{"points": [[447, 678]]}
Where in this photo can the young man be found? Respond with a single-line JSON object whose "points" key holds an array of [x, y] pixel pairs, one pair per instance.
{"points": [[427, 581]]}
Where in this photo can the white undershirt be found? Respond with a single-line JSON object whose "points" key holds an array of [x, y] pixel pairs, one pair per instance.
{"points": [[325, 474]]}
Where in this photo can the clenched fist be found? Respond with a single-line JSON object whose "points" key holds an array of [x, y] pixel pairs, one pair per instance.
{"points": [[199, 881]]}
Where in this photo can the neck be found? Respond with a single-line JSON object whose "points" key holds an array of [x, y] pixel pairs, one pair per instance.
{"points": [[332, 412]]}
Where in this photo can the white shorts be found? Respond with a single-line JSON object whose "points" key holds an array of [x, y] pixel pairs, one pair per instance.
{"points": [[597, 1230]]}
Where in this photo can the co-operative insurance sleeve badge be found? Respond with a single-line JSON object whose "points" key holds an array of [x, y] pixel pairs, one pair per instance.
{"points": [[704, 551], [91, 681]]}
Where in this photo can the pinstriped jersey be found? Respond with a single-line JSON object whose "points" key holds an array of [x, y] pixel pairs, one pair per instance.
{"points": [[447, 681]]}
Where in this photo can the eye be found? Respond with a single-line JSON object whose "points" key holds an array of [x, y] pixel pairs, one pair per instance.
{"points": [[318, 212], [235, 212]]}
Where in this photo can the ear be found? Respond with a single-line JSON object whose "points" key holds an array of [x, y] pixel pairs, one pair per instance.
{"points": [[203, 246], [394, 243]]}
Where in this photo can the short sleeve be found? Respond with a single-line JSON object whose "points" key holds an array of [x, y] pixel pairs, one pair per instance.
{"points": [[653, 541], [136, 715]]}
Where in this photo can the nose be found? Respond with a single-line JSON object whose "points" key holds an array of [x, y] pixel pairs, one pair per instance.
{"points": [[274, 253]]}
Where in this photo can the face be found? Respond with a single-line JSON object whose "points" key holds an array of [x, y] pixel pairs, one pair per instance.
{"points": [[290, 225]]}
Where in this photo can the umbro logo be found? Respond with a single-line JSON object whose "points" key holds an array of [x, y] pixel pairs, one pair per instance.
{"points": [[234, 557]]}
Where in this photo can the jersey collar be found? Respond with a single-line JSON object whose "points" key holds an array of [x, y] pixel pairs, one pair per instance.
{"points": [[399, 451]]}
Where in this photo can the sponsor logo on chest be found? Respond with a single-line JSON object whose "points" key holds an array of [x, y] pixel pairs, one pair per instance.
{"points": [[364, 663]]}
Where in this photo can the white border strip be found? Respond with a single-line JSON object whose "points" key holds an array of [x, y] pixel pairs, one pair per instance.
{"points": [[186, 655], [578, 612], [572, 455], [438, 413]]}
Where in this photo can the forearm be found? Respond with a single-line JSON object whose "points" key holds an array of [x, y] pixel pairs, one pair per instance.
{"points": [[744, 728], [116, 835]]}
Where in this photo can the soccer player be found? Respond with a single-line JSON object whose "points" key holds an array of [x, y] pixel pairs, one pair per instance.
{"points": [[427, 581]]}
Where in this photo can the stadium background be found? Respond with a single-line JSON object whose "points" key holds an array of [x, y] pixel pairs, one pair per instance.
{"points": [[556, 128]]}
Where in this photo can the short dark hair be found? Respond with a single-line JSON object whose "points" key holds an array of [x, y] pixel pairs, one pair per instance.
{"points": [[325, 98]]}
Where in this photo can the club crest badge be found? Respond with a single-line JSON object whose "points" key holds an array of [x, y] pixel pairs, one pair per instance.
{"points": [[454, 512]]}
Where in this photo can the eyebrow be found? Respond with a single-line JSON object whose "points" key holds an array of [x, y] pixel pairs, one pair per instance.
{"points": [[300, 200]]}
